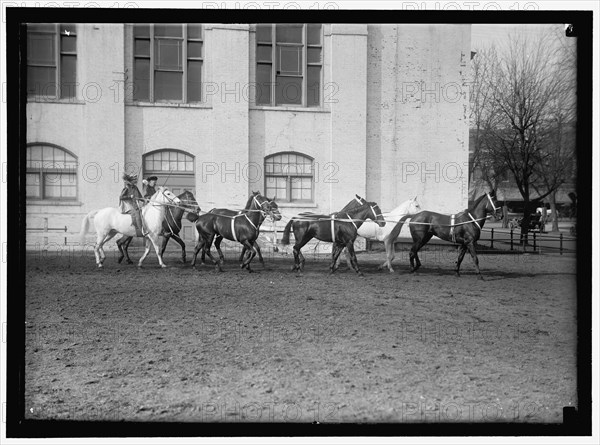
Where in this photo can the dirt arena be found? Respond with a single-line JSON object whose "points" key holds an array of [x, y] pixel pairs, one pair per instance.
{"points": [[195, 345]]}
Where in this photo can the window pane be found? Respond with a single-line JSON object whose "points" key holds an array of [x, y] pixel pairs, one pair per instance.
{"points": [[71, 28], [32, 186], [290, 60], [34, 153], [263, 33], [168, 85], [194, 31], [69, 192], [180, 157], [168, 54], [141, 30], [47, 153], [189, 166], [313, 86], [148, 164], [264, 53], [142, 47], [194, 49], [41, 81], [288, 90], [68, 44], [314, 33], [289, 33], [67, 75], [40, 49], [141, 86], [263, 87], [180, 166], [164, 166], [161, 30], [172, 155], [313, 55], [194, 84], [172, 165]]}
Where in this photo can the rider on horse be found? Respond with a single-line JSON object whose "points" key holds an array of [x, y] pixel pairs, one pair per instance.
{"points": [[149, 184], [128, 202]]}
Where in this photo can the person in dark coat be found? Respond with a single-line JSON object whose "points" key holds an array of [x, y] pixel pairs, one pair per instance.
{"points": [[149, 186], [129, 202]]}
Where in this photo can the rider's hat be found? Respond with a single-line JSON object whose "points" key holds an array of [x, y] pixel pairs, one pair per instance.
{"points": [[152, 178], [130, 178]]}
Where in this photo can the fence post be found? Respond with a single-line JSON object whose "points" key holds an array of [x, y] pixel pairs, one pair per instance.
{"points": [[511, 238], [561, 243], [492, 241], [534, 245]]}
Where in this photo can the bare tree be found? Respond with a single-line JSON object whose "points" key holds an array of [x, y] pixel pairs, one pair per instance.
{"points": [[523, 93]]}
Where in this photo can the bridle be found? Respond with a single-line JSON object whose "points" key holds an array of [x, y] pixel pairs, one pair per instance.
{"points": [[492, 203]]}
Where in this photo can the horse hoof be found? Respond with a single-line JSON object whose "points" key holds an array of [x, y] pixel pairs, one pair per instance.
{"points": [[164, 266], [129, 262], [392, 270], [100, 266], [119, 260]]}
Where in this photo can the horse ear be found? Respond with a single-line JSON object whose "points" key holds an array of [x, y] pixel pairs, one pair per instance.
{"points": [[273, 200]]}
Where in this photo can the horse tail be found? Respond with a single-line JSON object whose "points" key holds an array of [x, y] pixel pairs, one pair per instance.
{"points": [[85, 225], [398, 227], [286, 233]]}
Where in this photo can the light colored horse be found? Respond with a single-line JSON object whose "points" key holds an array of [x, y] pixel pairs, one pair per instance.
{"points": [[110, 221], [372, 231]]}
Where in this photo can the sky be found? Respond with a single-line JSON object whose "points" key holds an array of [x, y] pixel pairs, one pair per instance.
{"points": [[486, 34]]}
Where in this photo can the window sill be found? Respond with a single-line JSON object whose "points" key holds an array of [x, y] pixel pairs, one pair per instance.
{"points": [[294, 109], [47, 202], [52, 100], [301, 205], [169, 105]]}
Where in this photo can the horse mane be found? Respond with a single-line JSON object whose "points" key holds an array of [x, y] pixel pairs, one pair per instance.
{"points": [[477, 202], [250, 198]]}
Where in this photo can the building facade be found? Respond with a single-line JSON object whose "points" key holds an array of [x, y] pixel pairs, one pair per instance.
{"points": [[309, 113]]}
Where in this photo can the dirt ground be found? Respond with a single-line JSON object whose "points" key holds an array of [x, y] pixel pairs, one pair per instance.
{"points": [[194, 345]]}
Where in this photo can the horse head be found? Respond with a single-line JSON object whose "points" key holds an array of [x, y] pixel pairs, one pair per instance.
{"points": [[165, 196], [274, 209], [190, 205], [377, 215], [491, 205]]}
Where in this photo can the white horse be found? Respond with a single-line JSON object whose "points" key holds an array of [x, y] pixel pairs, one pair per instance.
{"points": [[372, 231], [110, 221]]}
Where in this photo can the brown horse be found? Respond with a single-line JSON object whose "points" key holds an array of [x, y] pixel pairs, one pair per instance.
{"points": [[242, 226], [463, 228], [340, 229]]}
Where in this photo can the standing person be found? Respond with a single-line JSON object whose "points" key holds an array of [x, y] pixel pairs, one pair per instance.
{"points": [[149, 186]]}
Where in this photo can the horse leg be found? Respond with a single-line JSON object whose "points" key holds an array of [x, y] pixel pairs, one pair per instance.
{"points": [[389, 253], [348, 258], [182, 244], [218, 247], [417, 245], [259, 253], [461, 254], [197, 248], [300, 260], [154, 239], [126, 249], [206, 249], [120, 243], [350, 248], [475, 260], [336, 250], [107, 238], [99, 241], [251, 255], [163, 244], [146, 251]]}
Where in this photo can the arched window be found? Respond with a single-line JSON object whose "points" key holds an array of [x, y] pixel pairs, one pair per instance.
{"points": [[51, 173], [289, 176], [168, 160]]}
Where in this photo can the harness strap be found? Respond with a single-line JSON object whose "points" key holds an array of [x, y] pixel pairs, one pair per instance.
{"points": [[352, 221], [452, 234], [332, 229], [233, 226], [253, 225], [475, 221]]}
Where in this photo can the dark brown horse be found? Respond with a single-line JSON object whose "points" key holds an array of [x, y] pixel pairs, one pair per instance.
{"points": [[341, 229], [463, 228], [352, 204], [241, 226], [171, 226]]}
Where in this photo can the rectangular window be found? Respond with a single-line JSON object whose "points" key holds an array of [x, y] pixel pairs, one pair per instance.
{"points": [[52, 60], [289, 64], [167, 62], [289, 177]]}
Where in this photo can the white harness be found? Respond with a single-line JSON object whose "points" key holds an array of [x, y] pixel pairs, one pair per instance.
{"points": [[233, 224]]}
